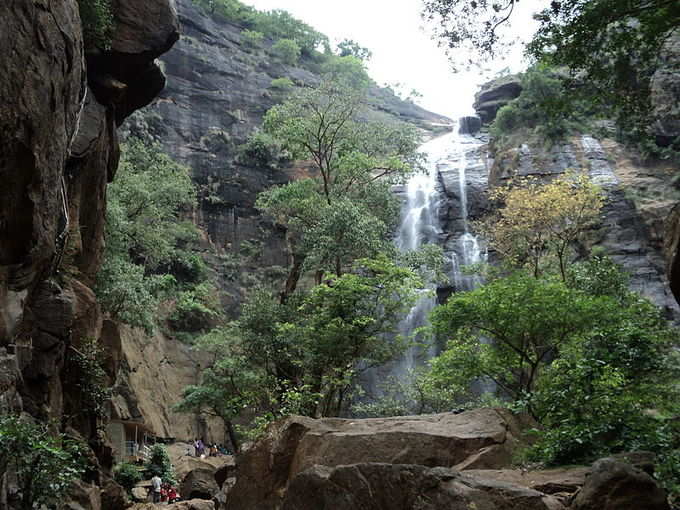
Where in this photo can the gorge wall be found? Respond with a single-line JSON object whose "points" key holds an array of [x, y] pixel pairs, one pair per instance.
{"points": [[638, 229], [61, 104], [218, 90]]}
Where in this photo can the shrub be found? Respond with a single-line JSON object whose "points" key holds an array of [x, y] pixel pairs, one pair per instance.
{"points": [[196, 309], [541, 106], [90, 377], [97, 22], [127, 475], [45, 464], [282, 84], [261, 150], [287, 50], [252, 38], [159, 464]]}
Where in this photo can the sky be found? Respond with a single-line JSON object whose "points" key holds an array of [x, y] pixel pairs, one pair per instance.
{"points": [[403, 49]]}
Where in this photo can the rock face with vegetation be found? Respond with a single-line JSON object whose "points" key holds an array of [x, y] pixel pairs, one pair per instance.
{"points": [[59, 149], [220, 85]]}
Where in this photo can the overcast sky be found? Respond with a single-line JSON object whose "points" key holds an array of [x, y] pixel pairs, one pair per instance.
{"points": [[403, 50]]}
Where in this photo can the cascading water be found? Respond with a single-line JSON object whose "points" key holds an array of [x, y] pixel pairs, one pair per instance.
{"points": [[421, 224]]}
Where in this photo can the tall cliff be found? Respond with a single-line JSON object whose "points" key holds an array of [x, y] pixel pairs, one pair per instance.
{"points": [[638, 229], [218, 90], [61, 105]]}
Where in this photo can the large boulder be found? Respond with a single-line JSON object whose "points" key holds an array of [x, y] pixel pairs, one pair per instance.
{"points": [[469, 125], [406, 487], [495, 94], [199, 484], [617, 485], [481, 438], [113, 496], [83, 496]]}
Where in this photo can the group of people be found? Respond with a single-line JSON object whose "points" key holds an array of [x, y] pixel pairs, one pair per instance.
{"points": [[163, 492], [203, 450]]}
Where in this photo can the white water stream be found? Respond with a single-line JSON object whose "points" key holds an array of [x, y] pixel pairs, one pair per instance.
{"points": [[421, 225]]}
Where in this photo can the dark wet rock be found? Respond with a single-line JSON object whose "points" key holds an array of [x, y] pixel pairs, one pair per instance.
{"points": [[672, 250], [42, 83], [494, 95], [199, 484], [469, 125], [617, 485], [113, 496]]}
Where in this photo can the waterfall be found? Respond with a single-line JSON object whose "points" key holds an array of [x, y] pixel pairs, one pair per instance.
{"points": [[423, 196]]}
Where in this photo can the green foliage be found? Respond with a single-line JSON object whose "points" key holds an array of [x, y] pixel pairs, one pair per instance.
{"points": [[542, 106], [284, 84], [508, 331], [97, 20], [667, 472], [610, 47], [350, 48], [158, 464], [127, 475], [590, 360], [146, 252], [45, 464], [262, 150], [302, 356], [347, 211], [348, 70], [252, 38], [196, 309], [287, 50], [89, 377]]}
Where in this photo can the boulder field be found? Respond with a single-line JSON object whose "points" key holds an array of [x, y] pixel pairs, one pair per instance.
{"points": [[442, 461]]}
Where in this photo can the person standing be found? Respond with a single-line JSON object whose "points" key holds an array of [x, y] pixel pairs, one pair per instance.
{"points": [[156, 488]]}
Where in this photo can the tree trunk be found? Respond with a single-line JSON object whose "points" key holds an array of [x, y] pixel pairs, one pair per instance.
{"points": [[293, 277], [232, 435]]}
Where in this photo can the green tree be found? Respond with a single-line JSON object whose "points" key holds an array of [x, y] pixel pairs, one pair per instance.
{"points": [[348, 70], [158, 463], [611, 47], [304, 355], [350, 48], [232, 385], [287, 50], [44, 463], [508, 331], [347, 211], [145, 237]]}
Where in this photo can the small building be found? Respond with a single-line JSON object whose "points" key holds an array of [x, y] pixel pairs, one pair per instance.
{"points": [[130, 440]]}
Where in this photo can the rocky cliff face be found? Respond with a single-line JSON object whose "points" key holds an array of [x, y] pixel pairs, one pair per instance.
{"points": [[61, 105], [218, 90], [640, 194]]}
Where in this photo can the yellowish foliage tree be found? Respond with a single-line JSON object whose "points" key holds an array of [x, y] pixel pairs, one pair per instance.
{"points": [[539, 223]]}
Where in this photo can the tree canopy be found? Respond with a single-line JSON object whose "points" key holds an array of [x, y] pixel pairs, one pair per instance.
{"points": [[611, 47], [345, 209]]}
